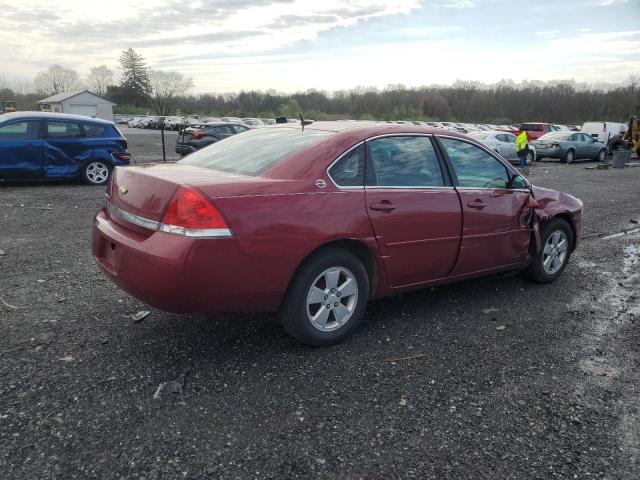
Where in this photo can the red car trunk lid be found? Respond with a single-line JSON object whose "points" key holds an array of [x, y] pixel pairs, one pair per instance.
{"points": [[145, 190]]}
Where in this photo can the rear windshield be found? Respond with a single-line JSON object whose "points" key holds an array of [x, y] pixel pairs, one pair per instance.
{"points": [[531, 127], [555, 136], [254, 152]]}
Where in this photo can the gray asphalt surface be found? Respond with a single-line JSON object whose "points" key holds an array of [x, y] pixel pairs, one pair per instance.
{"points": [[428, 387]]}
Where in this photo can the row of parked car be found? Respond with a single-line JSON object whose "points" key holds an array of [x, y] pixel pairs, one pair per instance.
{"points": [[590, 141], [179, 123]]}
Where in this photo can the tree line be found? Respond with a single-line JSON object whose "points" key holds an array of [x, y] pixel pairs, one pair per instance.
{"points": [[140, 89]]}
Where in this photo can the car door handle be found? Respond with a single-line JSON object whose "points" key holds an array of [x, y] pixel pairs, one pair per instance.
{"points": [[383, 207], [479, 204]]}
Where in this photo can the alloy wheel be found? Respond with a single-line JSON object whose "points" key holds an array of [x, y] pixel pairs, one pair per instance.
{"points": [[569, 157], [97, 172], [555, 252], [332, 299]]}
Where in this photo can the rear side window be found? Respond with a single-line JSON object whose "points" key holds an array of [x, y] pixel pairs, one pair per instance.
{"points": [[63, 129], [27, 130], [404, 162], [474, 167], [255, 151], [221, 130], [94, 130], [349, 170], [240, 128], [531, 127]]}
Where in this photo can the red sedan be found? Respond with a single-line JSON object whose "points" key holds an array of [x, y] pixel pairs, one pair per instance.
{"points": [[315, 222]]}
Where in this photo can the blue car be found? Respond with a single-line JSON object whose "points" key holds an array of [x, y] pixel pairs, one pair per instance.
{"points": [[36, 145]]}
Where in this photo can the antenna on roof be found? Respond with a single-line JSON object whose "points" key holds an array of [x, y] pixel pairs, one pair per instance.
{"points": [[304, 122]]}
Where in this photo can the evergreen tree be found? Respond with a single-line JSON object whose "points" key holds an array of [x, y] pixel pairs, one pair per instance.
{"points": [[135, 88]]}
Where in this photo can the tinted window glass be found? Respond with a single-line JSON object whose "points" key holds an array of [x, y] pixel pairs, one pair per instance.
{"points": [[510, 138], [531, 127], [255, 151], [240, 128], [475, 167], [586, 138], [93, 130], [404, 162], [63, 129], [349, 170], [220, 130], [27, 130]]}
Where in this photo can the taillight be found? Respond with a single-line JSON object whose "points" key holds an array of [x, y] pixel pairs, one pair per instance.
{"points": [[197, 134], [191, 214], [122, 156]]}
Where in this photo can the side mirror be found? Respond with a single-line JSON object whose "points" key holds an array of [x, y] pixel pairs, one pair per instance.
{"points": [[518, 182]]}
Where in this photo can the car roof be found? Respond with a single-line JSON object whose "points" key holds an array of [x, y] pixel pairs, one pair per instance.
{"points": [[51, 116]]}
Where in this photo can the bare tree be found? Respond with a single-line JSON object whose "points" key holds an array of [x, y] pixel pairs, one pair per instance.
{"points": [[99, 79], [166, 88], [57, 79]]}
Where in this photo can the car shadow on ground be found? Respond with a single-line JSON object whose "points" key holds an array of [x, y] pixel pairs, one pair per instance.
{"points": [[398, 325]]}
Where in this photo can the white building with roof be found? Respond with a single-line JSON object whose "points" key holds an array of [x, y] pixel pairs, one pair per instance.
{"points": [[82, 102]]}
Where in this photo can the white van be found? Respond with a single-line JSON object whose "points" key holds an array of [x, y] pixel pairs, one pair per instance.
{"points": [[603, 131]]}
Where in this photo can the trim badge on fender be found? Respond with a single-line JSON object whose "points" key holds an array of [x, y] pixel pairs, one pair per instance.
{"points": [[123, 190], [320, 183]]}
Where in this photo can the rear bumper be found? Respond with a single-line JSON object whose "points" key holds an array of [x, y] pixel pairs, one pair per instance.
{"points": [[180, 274]]}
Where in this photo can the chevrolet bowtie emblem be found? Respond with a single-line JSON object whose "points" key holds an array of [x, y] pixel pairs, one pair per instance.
{"points": [[123, 190]]}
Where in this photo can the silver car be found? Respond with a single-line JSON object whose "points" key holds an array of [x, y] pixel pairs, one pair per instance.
{"points": [[568, 146], [505, 144]]}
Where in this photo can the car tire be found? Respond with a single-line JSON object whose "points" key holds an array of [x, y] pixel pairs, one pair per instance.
{"points": [[569, 157], [554, 254], [326, 299], [602, 154], [95, 172], [528, 160]]}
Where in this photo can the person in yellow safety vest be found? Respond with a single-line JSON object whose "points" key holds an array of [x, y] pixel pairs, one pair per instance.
{"points": [[522, 147]]}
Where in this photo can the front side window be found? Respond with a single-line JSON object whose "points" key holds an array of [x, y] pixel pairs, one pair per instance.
{"points": [[27, 130], [57, 129], [474, 167], [409, 161], [349, 170]]}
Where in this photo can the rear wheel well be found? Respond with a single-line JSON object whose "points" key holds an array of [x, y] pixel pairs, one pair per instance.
{"points": [[355, 247]]}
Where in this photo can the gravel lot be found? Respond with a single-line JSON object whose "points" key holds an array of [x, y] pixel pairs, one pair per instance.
{"points": [[429, 387]]}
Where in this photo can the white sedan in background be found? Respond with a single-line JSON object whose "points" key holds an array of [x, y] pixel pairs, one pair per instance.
{"points": [[505, 144]]}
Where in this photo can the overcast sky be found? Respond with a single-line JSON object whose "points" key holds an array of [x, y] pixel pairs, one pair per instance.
{"points": [[289, 45]]}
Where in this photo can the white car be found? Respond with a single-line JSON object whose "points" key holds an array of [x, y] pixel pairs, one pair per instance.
{"points": [[173, 122], [504, 143], [253, 122], [603, 132], [135, 121]]}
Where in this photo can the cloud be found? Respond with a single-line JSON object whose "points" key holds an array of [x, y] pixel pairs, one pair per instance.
{"points": [[459, 4]]}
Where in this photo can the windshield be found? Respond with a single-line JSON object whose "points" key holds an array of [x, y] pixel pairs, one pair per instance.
{"points": [[255, 151]]}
